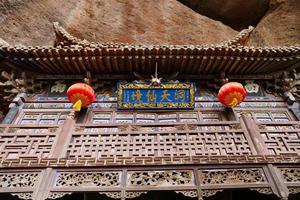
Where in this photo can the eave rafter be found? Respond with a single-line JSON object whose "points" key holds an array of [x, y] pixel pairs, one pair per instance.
{"points": [[71, 55]]}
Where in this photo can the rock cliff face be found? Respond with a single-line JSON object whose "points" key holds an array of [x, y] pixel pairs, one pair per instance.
{"points": [[29, 22], [280, 26], [238, 14], [130, 21]]}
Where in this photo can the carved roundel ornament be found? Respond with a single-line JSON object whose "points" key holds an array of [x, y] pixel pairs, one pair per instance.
{"points": [[81, 95], [232, 94]]}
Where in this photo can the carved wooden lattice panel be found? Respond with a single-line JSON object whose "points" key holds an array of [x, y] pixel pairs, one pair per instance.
{"points": [[91, 179], [232, 176], [18, 180], [168, 141], [160, 178], [280, 139], [290, 175], [31, 141], [279, 132]]}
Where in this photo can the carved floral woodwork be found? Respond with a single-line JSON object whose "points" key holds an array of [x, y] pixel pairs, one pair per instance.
{"points": [[113, 195], [23, 195], [263, 190], [294, 190], [210, 192], [291, 175], [188, 193], [18, 180], [95, 179], [57, 195], [232, 176], [131, 195], [160, 178]]}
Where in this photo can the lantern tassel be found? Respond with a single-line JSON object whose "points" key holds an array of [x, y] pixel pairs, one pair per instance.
{"points": [[234, 102], [77, 106]]}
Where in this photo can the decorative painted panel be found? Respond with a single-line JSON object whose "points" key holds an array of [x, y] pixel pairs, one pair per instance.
{"points": [[42, 117], [163, 117]]}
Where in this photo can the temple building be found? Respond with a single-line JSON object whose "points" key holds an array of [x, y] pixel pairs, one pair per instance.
{"points": [[85, 120]]}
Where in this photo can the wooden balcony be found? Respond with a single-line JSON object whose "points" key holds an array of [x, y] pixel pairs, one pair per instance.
{"points": [[150, 142], [123, 160]]}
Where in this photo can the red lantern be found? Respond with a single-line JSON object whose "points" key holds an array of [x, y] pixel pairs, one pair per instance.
{"points": [[232, 94], [81, 95]]}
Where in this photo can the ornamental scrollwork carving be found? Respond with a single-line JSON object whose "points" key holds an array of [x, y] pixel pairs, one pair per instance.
{"points": [[23, 195], [291, 174], [160, 178], [263, 190], [294, 190], [262, 126], [99, 179], [232, 176], [10, 86], [286, 85], [131, 195], [57, 195], [13, 180], [208, 193], [113, 195], [235, 126], [79, 129], [188, 193]]}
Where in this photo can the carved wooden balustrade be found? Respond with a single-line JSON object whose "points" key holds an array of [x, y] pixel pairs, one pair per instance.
{"points": [[125, 160], [17, 141]]}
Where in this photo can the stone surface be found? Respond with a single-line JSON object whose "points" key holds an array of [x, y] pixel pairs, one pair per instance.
{"points": [[280, 26], [29, 22], [130, 21], [238, 14]]}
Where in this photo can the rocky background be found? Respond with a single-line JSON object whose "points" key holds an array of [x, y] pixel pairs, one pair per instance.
{"points": [[29, 22]]}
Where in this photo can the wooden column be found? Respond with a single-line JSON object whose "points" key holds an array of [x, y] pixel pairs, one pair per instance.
{"points": [[10, 116], [44, 184], [256, 138], [295, 109], [277, 182], [63, 137]]}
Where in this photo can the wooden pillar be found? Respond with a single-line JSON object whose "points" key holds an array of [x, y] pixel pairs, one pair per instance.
{"points": [[277, 182], [257, 140], [63, 137], [14, 108], [295, 109], [44, 184], [10, 116]]}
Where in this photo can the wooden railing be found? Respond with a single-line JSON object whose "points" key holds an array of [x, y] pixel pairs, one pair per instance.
{"points": [[70, 140]]}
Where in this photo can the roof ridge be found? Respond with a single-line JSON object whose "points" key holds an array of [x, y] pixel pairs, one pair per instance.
{"points": [[64, 38], [241, 39]]}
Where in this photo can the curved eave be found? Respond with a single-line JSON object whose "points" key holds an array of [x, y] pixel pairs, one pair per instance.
{"points": [[126, 60], [65, 39]]}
